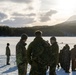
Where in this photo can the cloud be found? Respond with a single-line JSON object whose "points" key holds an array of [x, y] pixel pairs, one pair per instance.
{"points": [[18, 21], [19, 1], [22, 1], [2, 16], [31, 14], [46, 16], [24, 12], [30, 8], [51, 12], [23, 15], [47, 4], [51, 2], [17, 14]]}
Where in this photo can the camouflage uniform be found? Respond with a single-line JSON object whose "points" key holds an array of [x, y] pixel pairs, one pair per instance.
{"points": [[54, 56], [65, 57], [61, 60], [21, 58], [8, 54], [73, 58], [38, 56]]}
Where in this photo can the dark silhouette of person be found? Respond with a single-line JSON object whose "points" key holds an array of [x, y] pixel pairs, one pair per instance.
{"points": [[21, 58], [54, 55], [37, 55], [73, 58], [8, 54], [65, 58]]}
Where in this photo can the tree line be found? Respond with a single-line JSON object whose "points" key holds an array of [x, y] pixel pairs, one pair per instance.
{"points": [[47, 31], [57, 30]]}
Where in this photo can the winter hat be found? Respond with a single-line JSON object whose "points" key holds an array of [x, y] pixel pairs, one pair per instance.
{"points": [[38, 32], [24, 36], [53, 38]]}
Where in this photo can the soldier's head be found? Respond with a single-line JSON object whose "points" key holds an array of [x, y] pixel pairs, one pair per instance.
{"points": [[74, 46], [52, 39], [8, 44], [24, 37], [38, 33], [67, 46]]}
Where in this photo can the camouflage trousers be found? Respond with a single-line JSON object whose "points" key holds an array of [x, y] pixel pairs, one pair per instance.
{"points": [[52, 69], [37, 69], [22, 69], [73, 65], [67, 66]]}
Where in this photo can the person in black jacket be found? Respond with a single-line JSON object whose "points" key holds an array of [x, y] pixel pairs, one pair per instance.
{"points": [[66, 58], [8, 54]]}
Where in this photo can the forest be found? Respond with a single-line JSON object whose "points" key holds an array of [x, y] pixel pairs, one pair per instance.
{"points": [[63, 29]]}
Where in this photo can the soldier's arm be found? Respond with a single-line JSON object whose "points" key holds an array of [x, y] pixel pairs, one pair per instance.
{"points": [[29, 52], [19, 55]]}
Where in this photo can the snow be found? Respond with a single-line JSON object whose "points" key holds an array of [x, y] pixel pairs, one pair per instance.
{"points": [[14, 40], [12, 68]]}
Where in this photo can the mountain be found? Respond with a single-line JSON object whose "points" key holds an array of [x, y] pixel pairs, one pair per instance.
{"points": [[72, 18], [67, 28], [70, 21]]}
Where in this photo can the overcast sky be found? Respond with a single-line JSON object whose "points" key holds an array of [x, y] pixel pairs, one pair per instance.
{"points": [[21, 13]]}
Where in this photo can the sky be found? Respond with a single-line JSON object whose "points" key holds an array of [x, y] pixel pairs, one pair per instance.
{"points": [[21, 13]]}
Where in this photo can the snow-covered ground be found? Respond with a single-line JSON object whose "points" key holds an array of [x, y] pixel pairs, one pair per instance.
{"points": [[12, 69], [14, 40]]}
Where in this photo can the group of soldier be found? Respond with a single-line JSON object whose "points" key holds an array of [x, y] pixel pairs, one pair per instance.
{"points": [[42, 55], [39, 54]]}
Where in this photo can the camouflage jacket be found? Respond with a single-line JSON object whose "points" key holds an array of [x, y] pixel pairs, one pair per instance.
{"points": [[38, 51], [21, 53], [8, 51], [54, 54], [67, 55], [73, 53]]}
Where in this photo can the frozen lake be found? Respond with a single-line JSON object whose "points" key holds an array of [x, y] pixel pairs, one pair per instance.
{"points": [[12, 69], [13, 41]]}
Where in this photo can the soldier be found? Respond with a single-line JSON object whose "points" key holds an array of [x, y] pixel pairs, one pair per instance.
{"points": [[8, 53], [73, 58], [53, 56], [37, 54], [21, 58], [61, 57], [66, 58]]}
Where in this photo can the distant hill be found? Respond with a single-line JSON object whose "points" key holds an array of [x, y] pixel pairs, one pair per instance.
{"points": [[72, 18], [67, 28]]}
